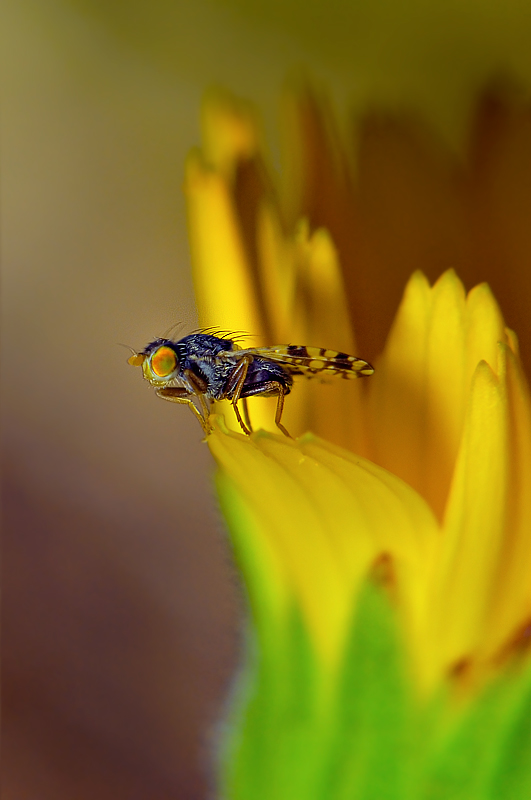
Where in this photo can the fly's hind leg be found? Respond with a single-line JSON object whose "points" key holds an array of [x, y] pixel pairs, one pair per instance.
{"points": [[185, 398], [280, 407], [270, 389], [246, 416]]}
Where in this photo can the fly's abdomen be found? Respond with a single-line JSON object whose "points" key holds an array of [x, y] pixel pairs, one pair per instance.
{"points": [[260, 373]]}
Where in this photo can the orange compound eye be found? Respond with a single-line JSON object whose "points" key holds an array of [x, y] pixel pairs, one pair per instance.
{"points": [[163, 362]]}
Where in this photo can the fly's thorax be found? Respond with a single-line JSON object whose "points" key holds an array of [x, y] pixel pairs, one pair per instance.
{"points": [[204, 345], [214, 372], [210, 359]]}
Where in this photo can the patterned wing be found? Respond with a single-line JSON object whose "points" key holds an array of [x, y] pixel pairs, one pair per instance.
{"points": [[314, 362]]}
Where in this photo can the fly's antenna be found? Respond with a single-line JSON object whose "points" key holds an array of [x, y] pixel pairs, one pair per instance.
{"points": [[127, 347], [135, 359]]}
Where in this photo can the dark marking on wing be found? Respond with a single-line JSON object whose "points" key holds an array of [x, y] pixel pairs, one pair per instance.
{"points": [[296, 351], [314, 361]]}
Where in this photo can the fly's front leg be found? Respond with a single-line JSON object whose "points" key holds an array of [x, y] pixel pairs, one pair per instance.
{"points": [[183, 397], [234, 389], [204, 406], [200, 388]]}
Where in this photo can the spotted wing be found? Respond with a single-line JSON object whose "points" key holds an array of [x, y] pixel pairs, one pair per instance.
{"points": [[314, 362]]}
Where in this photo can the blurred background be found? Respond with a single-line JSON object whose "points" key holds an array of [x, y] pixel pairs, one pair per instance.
{"points": [[121, 610]]}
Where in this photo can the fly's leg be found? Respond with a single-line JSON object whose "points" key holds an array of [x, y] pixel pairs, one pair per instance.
{"points": [[246, 416], [234, 389], [204, 406], [200, 388], [280, 408], [184, 398], [268, 389]]}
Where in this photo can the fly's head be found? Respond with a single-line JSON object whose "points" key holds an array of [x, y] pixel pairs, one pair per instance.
{"points": [[160, 363]]}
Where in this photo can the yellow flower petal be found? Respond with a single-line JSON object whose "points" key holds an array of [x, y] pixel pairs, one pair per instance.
{"points": [[397, 398], [447, 411], [321, 319], [417, 399], [400, 524], [484, 328], [306, 303], [229, 131], [282, 510], [482, 592], [510, 602], [319, 188], [225, 292], [474, 522], [327, 517], [269, 584], [278, 275]]}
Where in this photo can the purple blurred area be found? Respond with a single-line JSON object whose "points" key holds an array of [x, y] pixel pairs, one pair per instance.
{"points": [[118, 632], [121, 608]]}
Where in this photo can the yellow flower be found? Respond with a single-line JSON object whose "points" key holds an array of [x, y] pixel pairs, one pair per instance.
{"points": [[422, 477]]}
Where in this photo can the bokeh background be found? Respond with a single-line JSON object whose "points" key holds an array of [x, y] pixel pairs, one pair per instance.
{"points": [[122, 611]]}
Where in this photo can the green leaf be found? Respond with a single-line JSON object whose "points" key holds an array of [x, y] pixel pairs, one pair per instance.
{"points": [[512, 777], [484, 753], [277, 746], [371, 750]]}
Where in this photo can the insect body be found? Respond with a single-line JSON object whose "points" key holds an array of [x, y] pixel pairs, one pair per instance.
{"points": [[203, 367]]}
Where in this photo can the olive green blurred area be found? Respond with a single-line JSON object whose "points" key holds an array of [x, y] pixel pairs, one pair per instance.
{"points": [[121, 610], [419, 54]]}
